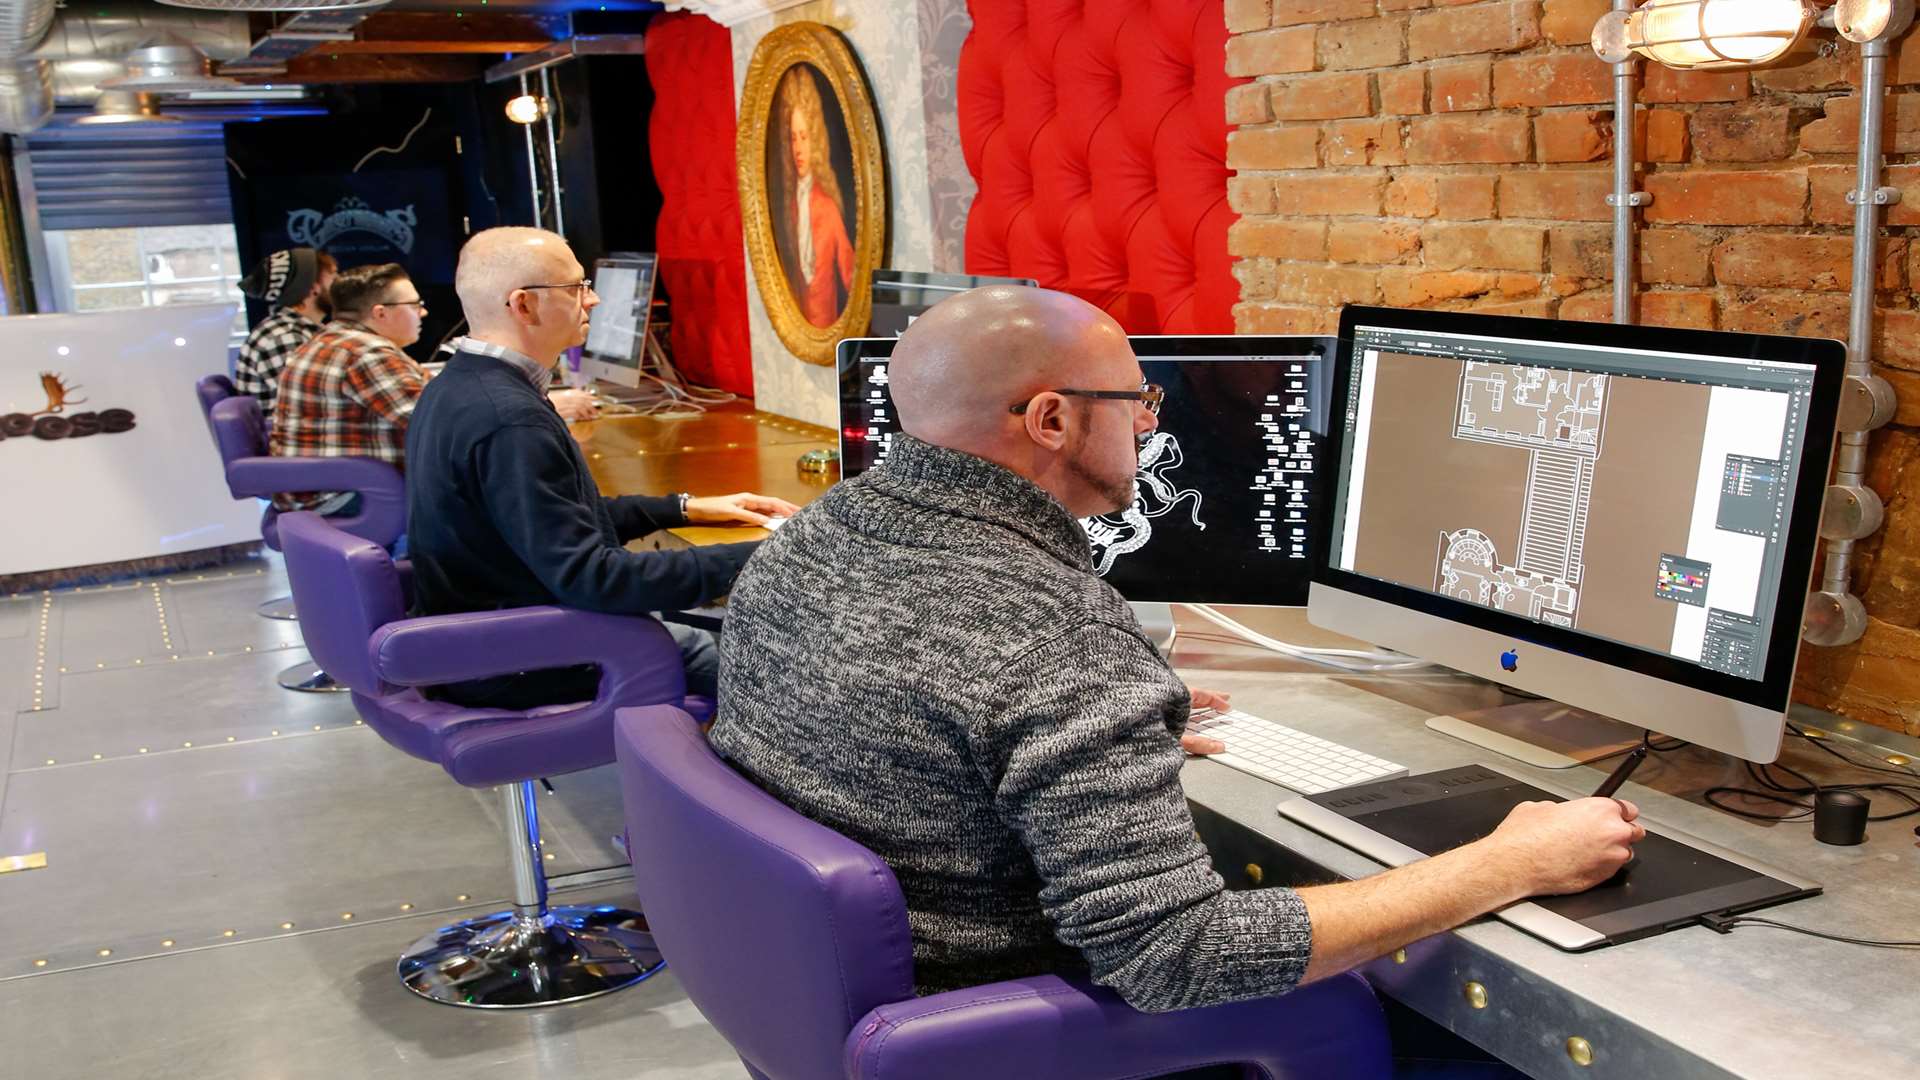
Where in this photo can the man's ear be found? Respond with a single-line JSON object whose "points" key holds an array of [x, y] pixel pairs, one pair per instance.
{"points": [[1048, 420]]}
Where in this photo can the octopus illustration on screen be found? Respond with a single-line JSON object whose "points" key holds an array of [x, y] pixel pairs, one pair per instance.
{"points": [[1155, 495]]}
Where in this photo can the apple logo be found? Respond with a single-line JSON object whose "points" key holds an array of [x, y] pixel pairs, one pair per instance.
{"points": [[1510, 660]]}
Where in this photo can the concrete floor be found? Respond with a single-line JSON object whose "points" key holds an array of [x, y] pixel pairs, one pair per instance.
{"points": [[233, 869]]}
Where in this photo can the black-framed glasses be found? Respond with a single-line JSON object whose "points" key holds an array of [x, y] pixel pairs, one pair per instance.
{"points": [[585, 283], [419, 303], [1150, 394]]}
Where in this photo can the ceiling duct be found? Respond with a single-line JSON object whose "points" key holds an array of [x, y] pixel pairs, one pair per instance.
{"points": [[168, 65], [252, 6], [44, 59]]}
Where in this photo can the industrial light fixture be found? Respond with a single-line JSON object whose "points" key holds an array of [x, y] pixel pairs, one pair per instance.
{"points": [[527, 109], [1705, 34], [126, 107]]}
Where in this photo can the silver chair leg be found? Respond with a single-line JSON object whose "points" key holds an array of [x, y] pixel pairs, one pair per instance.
{"points": [[530, 955], [278, 609], [307, 678]]}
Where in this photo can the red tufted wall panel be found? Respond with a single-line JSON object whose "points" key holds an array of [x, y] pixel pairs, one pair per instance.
{"points": [[691, 135], [1097, 132]]}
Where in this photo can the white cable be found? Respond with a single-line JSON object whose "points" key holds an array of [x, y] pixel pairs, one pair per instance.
{"points": [[396, 149], [1345, 659]]}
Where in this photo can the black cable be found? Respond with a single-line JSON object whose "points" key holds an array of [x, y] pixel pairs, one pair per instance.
{"points": [[1725, 925]]}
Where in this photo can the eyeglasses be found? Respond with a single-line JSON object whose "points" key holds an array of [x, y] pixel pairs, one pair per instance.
{"points": [[584, 283], [421, 304], [1149, 394]]}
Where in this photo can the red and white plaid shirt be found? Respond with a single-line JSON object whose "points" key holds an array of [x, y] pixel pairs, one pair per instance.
{"points": [[349, 392]]}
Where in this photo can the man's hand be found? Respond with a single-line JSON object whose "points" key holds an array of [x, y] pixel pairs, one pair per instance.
{"points": [[574, 405], [744, 508], [1558, 848], [1205, 701]]}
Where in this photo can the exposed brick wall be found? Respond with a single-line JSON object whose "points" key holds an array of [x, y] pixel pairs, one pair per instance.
{"points": [[1455, 154]]}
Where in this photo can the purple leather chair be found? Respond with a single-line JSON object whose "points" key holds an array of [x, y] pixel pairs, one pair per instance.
{"points": [[352, 609], [253, 473], [213, 389], [793, 941]]}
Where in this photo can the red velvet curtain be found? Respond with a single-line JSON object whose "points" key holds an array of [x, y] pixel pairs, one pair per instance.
{"points": [[1096, 130], [691, 134]]}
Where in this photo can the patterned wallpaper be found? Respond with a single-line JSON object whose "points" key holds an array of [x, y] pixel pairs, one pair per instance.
{"points": [[950, 188], [916, 104]]}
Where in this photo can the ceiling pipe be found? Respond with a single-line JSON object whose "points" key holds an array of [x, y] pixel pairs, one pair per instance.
{"points": [[46, 60]]}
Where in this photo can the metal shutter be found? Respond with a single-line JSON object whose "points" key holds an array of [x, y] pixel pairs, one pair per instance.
{"points": [[126, 175]]}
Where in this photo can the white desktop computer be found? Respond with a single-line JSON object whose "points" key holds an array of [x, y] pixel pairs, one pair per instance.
{"points": [[1619, 519], [617, 336]]}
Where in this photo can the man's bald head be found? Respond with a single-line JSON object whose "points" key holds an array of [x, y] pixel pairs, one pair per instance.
{"points": [[958, 367], [495, 262]]}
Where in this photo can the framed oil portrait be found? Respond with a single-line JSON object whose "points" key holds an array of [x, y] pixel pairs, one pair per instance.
{"points": [[813, 189]]}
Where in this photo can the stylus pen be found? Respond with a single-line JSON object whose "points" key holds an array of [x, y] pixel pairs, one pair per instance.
{"points": [[1620, 772]]}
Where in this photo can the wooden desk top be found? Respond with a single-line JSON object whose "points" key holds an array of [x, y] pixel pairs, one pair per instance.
{"points": [[729, 448]]}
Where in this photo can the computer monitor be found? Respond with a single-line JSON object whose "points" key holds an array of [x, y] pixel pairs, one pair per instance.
{"points": [[1225, 496], [1619, 518], [617, 336], [899, 296]]}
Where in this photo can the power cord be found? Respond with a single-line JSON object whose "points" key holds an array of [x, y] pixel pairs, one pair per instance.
{"points": [[1798, 797], [1354, 660], [1724, 924]]}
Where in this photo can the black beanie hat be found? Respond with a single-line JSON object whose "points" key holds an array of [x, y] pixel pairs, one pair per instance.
{"points": [[283, 278]]}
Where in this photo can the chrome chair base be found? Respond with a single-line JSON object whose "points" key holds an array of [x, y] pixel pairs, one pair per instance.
{"points": [[307, 678], [278, 609], [512, 961]]}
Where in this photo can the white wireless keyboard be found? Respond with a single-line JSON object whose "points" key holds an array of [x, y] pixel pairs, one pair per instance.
{"points": [[1286, 756]]}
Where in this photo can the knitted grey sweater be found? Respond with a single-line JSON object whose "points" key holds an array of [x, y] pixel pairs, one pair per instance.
{"points": [[923, 661]]}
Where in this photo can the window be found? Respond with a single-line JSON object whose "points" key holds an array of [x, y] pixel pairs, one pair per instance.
{"points": [[146, 266]]}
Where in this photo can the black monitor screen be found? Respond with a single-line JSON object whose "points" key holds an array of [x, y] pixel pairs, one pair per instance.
{"points": [[1225, 496]]}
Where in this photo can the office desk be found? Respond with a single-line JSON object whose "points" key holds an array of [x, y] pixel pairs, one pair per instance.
{"points": [[1759, 1002], [728, 449]]}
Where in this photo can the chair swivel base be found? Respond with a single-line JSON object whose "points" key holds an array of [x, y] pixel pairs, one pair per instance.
{"points": [[278, 609], [507, 961], [307, 678]]}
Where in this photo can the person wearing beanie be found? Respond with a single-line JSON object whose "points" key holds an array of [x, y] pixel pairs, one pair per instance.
{"points": [[294, 283]]}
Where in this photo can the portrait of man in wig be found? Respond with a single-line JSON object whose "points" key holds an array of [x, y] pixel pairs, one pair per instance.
{"points": [[809, 179]]}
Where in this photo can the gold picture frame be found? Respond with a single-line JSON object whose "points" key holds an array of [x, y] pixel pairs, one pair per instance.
{"points": [[813, 187]]}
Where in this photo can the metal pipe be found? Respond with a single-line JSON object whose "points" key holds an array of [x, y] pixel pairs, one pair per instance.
{"points": [[533, 165], [1625, 266], [1836, 616], [553, 154], [523, 847]]}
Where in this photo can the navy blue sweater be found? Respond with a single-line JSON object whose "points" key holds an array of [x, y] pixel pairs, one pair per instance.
{"points": [[502, 512]]}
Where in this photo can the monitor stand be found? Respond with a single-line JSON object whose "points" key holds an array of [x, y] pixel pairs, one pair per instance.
{"points": [[1544, 734], [1157, 621]]}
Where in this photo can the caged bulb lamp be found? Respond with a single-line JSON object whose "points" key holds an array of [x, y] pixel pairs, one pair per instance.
{"points": [[1705, 34], [527, 109]]}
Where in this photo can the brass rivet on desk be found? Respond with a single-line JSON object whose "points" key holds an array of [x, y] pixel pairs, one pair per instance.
{"points": [[1476, 995], [1896, 759], [1580, 1050], [1254, 873], [1399, 956]]}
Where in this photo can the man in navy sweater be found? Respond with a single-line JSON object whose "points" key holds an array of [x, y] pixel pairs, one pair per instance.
{"points": [[501, 509]]}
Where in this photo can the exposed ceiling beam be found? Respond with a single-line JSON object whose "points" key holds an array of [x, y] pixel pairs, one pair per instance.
{"points": [[478, 32], [562, 51], [322, 66]]}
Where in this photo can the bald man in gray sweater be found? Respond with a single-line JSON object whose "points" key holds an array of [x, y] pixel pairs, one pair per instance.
{"points": [[923, 660]]}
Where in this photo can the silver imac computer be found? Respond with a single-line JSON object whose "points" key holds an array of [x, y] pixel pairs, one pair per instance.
{"points": [[1619, 519], [1224, 502], [617, 337]]}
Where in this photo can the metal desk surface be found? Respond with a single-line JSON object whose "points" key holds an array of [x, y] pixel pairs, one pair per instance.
{"points": [[1759, 1002]]}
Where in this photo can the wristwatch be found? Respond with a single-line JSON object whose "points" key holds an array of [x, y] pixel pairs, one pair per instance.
{"points": [[684, 498]]}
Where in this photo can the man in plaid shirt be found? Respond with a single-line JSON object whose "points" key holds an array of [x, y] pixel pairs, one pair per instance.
{"points": [[294, 283], [350, 391]]}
